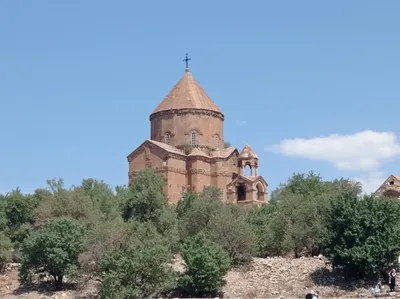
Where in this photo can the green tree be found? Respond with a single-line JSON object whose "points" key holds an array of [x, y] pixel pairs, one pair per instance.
{"points": [[227, 144], [198, 216], [72, 203], [211, 192], [206, 265], [300, 220], [363, 235], [5, 250], [185, 203], [302, 224], [139, 267], [19, 209], [3, 216], [54, 249], [232, 232], [103, 237], [263, 221], [103, 197], [21, 234], [311, 184], [145, 200]]}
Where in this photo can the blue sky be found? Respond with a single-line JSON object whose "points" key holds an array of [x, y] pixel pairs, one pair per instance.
{"points": [[78, 80]]}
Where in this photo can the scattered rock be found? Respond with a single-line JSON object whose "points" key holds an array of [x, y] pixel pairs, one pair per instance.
{"points": [[286, 278]]}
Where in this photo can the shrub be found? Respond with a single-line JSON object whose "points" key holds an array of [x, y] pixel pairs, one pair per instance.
{"points": [[363, 234], [139, 267], [206, 265], [146, 200], [54, 249], [5, 250], [198, 216], [262, 221], [230, 230]]}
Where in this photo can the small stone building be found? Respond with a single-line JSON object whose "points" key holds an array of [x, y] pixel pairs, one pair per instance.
{"points": [[390, 188], [186, 147]]}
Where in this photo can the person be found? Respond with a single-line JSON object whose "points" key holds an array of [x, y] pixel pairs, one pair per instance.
{"points": [[376, 291], [392, 280], [312, 295]]}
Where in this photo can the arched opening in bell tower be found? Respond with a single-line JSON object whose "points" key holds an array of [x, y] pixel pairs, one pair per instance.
{"points": [[247, 170]]}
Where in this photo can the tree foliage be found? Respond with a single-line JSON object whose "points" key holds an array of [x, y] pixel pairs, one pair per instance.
{"points": [[54, 249], [61, 202], [196, 212], [145, 202], [146, 199], [5, 250], [363, 234], [232, 232], [3, 215], [126, 237], [20, 209], [296, 220], [206, 265], [139, 267]]}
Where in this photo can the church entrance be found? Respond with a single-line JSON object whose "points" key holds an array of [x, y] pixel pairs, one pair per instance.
{"points": [[241, 192]]}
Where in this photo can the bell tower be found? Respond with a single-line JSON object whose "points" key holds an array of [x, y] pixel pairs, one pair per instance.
{"points": [[248, 157]]}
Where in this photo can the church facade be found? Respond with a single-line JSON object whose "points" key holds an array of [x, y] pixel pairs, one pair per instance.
{"points": [[186, 147]]}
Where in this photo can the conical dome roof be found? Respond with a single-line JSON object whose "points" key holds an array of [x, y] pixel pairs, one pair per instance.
{"points": [[247, 152], [187, 94]]}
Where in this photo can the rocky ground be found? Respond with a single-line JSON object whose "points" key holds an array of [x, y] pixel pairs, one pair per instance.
{"points": [[263, 278]]}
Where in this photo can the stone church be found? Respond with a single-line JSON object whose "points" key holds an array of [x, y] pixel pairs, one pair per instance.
{"points": [[186, 147], [390, 187]]}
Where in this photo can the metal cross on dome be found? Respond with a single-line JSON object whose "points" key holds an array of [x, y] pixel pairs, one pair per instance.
{"points": [[187, 59]]}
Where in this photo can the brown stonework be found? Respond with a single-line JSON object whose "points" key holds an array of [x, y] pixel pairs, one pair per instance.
{"points": [[390, 188], [186, 147]]}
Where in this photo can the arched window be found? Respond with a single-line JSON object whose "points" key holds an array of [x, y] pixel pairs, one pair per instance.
{"points": [[194, 138], [167, 138], [216, 140], [259, 192]]}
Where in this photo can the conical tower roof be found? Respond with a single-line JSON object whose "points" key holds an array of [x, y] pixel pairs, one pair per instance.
{"points": [[247, 152], [187, 94]]}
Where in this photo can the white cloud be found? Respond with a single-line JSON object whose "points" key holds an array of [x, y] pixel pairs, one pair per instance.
{"points": [[372, 181], [362, 151], [241, 123]]}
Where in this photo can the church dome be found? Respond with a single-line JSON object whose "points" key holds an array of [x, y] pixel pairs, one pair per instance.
{"points": [[187, 94], [188, 116], [247, 153]]}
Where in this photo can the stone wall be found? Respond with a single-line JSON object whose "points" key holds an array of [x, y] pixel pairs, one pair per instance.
{"points": [[180, 124]]}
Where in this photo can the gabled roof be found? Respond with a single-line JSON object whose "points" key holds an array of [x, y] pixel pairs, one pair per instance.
{"points": [[247, 153], [187, 94], [387, 181], [250, 180], [166, 147], [197, 152], [224, 153]]}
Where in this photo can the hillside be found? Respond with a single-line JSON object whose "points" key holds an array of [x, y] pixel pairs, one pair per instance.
{"points": [[263, 278]]}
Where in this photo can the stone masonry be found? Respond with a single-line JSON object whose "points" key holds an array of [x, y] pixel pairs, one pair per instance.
{"points": [[390, 188]]}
